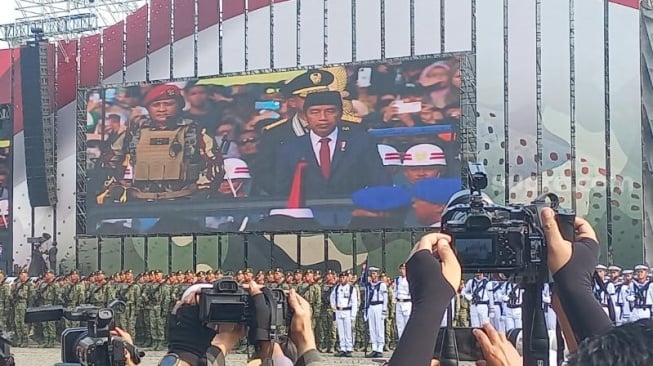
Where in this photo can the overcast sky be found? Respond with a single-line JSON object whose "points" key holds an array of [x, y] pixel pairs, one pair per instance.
{"points": [[8, 16]]}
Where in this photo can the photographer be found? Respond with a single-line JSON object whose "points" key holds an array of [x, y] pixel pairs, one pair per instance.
{"points": [[433, 270], [192, 343]]}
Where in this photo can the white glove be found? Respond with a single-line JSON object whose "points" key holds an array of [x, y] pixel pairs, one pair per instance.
{"points": [[468, 297], [492, 315], [384, 314], [505, 298], [630, 298]]}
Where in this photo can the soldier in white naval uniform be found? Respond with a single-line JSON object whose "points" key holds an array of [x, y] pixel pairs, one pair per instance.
{"points": [[377, 310], [344, 302], [403, 302], [642, 297], [477, 291], [603, 296], [497, 311], [623, 290], [512, 299]]}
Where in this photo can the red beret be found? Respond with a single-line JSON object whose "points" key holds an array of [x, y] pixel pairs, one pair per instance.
{"points": [[163, 92]]}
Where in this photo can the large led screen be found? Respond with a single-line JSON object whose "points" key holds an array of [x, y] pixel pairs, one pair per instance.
{"points": [[361, 146]]}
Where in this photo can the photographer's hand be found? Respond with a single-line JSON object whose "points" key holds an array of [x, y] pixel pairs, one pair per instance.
{"points": [[497, 350], [301, 329], [128, 339], [440, 245], [228, 337], [572, 266], [560, 250]]}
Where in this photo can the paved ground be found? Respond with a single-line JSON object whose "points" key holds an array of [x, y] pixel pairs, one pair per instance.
{"points": [[50, 356]]}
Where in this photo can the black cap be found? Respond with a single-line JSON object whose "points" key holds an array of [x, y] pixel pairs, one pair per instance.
{"points": [[307, 83], [323, 98]]}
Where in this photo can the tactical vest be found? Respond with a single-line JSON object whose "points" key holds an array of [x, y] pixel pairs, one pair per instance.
{"points": [[160, 155]]}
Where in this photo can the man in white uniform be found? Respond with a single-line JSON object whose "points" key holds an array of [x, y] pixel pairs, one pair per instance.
{"points": [[497, 312], [476, 290], [344, 302], [403, 303], [512, 299], [623, 290], [377, 310], [614, 280], [642, 297], [603, 296]]}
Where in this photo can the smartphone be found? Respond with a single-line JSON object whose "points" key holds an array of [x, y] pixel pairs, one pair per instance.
{"points": [[364, 77], [466, 344], [405, 108], [269, 105]]}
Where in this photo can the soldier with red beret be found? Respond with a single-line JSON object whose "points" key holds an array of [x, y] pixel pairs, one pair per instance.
{"points": [[165, 154]]}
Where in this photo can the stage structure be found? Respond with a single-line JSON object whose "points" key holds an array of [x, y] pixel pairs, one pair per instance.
{"points": [[556, 96], [64, 19]]}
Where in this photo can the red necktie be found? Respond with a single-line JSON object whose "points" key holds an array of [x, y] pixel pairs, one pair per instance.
{"points": [[325, 157]]}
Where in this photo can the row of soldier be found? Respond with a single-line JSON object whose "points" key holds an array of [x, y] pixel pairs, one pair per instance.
{"points": [[353, 313]]}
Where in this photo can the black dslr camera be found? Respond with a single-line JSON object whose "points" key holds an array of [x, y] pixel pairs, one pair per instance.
{"points": [[227, 302], [90, 345], [494, 238]]}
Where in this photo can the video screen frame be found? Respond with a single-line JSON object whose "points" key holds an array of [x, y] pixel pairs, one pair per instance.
{"points": [[467, 73]]}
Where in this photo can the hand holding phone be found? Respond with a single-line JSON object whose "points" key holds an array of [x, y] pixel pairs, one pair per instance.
{"points": [[407, 108]]}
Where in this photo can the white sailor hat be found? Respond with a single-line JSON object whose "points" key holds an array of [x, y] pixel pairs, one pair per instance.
{"points": [[236, 169], [614, 268], [373, 269], [424, 155], [627, 272], [601, 267], [641, 267], [389, 155]]}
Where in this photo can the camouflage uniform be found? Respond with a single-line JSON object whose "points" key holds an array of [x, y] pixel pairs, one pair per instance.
{"points": [[73, 295], [462, 312], [49, 293], [390, 321], [98, 294], [361, 336], [129, 293], [155, 298], [5, 293], [326, 331], [21, 295]]}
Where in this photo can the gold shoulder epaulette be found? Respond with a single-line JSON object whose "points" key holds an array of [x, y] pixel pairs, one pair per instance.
{"points": [[275, 124], [351, 118]]}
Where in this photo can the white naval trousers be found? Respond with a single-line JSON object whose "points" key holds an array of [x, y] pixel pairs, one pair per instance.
{"points": [[345, 333], [496, 319], [402, 313], [376, 325], [513, 318], [478, 314]]}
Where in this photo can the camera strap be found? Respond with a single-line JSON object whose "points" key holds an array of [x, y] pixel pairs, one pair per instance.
{"points": [[449, 346]]}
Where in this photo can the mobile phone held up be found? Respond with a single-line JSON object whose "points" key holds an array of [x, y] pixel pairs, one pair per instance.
{"points": [[268, 105]]}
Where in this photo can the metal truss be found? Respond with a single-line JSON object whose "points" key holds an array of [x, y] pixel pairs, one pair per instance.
{"points": [[65, 19], [468, 145], [80, 162], [646, 49]]}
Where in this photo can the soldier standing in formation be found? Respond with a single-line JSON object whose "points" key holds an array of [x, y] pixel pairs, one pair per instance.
{"points": [[344, 303], [21, 294], [377, 311], [404, 304]]}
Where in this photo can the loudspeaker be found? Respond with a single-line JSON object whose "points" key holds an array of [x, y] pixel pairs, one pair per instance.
{"points": [[38, 125]]}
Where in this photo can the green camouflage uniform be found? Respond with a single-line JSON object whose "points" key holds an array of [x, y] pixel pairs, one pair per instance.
{"points": [[128, 293], [98, 294], [5, 301], [361, 336], [73, 295], [326, 331], [49, 295], [21, 295], [155, 299], [462, 312], [390, 321], [312, 294]]}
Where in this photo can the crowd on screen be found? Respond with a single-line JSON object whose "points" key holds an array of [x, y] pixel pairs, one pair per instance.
{"points": [[394, 143]]}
